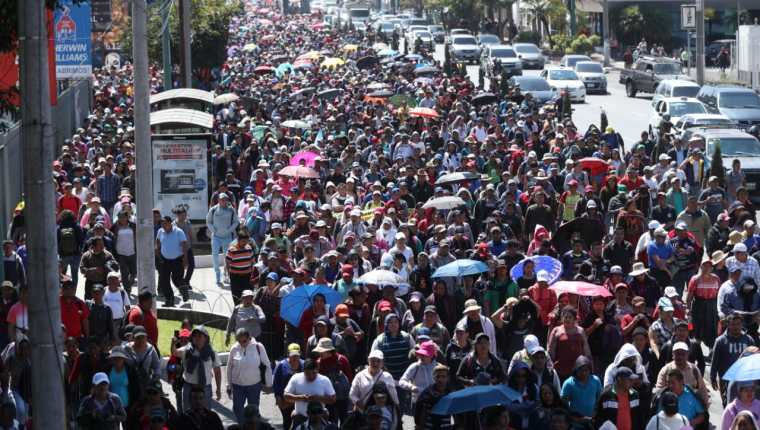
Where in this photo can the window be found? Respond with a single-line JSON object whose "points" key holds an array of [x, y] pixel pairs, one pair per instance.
{"points": [[739, 100]]}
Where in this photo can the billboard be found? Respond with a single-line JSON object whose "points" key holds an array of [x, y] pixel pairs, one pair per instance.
{"points": [[73, 44], [180, 174]]}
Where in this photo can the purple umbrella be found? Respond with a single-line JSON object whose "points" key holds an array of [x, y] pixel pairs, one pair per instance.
{"points": [[304, 158]]}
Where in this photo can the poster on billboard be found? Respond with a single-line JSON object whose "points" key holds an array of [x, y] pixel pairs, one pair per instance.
{"points": [[180, 175], [73, 46]]}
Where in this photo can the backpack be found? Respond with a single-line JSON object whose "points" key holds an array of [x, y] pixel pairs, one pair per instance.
{"points": [[340, 384], [67, 243]]}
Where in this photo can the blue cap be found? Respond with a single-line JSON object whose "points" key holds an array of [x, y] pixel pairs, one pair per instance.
{"points": [[438, 157], [665, 304], [273, 276], [438, 189]]}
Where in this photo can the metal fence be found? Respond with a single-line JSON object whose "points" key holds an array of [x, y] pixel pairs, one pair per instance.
{"points": [[70, 112]]}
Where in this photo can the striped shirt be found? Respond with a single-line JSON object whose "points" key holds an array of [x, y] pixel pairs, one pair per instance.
{"points": [[240, 260], [396, 351], [704, 289]]}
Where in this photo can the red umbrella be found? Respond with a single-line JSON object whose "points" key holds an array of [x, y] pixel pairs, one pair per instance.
{"points": [[318, 26], [580, 288], [299, 172], [264, 69], [423, 112], [597, 166]]}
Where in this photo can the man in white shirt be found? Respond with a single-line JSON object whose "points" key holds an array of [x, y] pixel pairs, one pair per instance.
{"points": [[117, 299], [361, 387], [307, 386]]}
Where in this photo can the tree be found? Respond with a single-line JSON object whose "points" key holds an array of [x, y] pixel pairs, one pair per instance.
{"points": [[716, 165], [209, 26], [542, 12]]}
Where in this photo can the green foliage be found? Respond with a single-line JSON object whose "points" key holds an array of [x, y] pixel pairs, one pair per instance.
{"points": [[528, 37], [209, 26], [561, 44], [595, 40], [631, 23], [580, 45], [716, 165]]}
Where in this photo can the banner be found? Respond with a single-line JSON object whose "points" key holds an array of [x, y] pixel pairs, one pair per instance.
{"points": [[180, 175], [73, 44]]}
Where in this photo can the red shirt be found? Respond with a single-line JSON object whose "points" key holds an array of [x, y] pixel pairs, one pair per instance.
{"points": [[706, 290], [147, 320], [546, 300], [72, 203], [73, 313]]}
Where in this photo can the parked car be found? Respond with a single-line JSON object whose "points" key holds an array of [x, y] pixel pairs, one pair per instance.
{"points": [[675, 88], [673, 108], [737, 103], [425, 36], [530, 55], [592, 75], [385, 27], [647, 72], [537, 87], [464, 48], [505, 56], [692, 120], [485, 39], [561, 78], [456, 31], [570, 60], [439, 34]]}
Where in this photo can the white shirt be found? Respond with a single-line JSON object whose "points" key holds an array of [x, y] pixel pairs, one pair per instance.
{"points": [[676, 422], [298, 385], [125, 243], [361, 387], [115, 301], [208, 366], [243, 364]]}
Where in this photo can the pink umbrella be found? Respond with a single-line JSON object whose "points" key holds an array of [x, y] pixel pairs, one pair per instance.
{"points": [[299, 172], [304, 158], [580, 288]]}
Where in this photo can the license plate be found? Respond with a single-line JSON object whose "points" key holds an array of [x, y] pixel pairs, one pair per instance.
{"points": [[750, 186]]}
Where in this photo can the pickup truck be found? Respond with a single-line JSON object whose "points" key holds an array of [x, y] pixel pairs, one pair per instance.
{"points": [[647, 72]]}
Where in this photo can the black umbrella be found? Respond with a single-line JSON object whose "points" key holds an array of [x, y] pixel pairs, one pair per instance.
{"points": [[381, 93], [366, 62], [425, 70], [281, 59], [589, 230], [484, 99], [304, 92], [328, 94]]}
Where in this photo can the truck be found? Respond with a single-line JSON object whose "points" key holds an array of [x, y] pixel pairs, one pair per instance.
{"points": [[356, 12], [647, 72]]}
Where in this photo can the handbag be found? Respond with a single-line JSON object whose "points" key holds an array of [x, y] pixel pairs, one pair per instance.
{"points": [[262, 368]]}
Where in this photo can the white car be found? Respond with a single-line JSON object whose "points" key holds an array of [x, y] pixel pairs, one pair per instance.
{"points": [[425, 36], [672, 109], [674, 88], [592, 74], [560, 78], [692, 120], [464, 48]]}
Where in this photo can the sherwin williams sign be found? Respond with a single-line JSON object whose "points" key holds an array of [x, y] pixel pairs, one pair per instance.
{"points": [[73, 46]]}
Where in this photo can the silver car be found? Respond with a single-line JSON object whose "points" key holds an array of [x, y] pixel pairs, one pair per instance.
{"points": [[530, 55], [464, 48], [592, 75]]}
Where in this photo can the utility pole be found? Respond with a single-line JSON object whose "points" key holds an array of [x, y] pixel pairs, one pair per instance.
{"points": [[184, 49], [166, 40], [43, 278], [146, 271], [700, 64], [573, 21], [606, 31]]}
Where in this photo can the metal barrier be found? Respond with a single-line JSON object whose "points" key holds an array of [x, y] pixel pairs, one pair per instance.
{"points": [[70, 112]]}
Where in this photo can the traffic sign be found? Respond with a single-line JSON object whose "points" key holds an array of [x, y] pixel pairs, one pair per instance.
{"points": [[688, 17]]}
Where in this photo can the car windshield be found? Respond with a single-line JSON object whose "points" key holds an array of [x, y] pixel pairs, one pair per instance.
{"points": [[464, 40], [733, 146], [589, 68], [387, 25], [685, 91], [526, 49], [435, 28], [423, 34], [489, 38], [739, 100], [533, 85], [503, 53], [571, 61], [563, 75], [678, 109], [359, 13], [707, 121], [667, 69]]}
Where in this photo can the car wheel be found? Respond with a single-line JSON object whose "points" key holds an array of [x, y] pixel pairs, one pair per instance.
{"points": [[630, 89]]}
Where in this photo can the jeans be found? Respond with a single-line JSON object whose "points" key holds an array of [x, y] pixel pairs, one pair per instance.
{"points": [[190, 268], [218, 244], [73, 262], [243, 393], [128, 269], [186, 396]]}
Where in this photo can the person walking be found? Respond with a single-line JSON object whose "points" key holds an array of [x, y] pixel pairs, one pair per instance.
{"points": [[222, 221], [201, 364], [125, 248], [171, 246], [248, 371], [239, 261], [285, 370]]}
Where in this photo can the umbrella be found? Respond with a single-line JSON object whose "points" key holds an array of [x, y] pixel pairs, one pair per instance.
{"points": [[424, 80], [267, 38], [377, 86], [443, 203], [250, 47], [387, 53], [413, 57], [597, 166], [744, 369], [580, 288], [423, 112], [265, 22], [318, 26], [333, 62], [303, 64], [366, 62], [457, 177], [298, 172], [297, 301], [475, 398], [259, 131], [311, 55], [263, 69], [350, 47], [329, 94], [484, 99], [381, 93], [223, 99], [283, 68], [375, 100], [589, 230], [459, 268], [304, 92], [424, 70], [280, 59], [379, 46], [542, 262], [382, 278], [295, 123], [402, 99], [306, 156]]}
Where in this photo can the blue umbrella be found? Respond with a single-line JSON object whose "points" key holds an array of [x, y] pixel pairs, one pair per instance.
{"points": [[744, 369], [542, 262], [283, 68], [297, 301], [475, 398], [459, 268], [387, 53]]}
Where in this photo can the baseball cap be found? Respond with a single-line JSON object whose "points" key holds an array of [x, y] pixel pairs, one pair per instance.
{"points": [[665, 304], [376, 353], [680, 346], [670, 292], [542, 276], [100, 378], [341, 310], [294, 350], [739, 247]]}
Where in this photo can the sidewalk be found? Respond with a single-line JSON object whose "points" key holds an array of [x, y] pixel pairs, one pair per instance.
{"points": [[712, 75]]}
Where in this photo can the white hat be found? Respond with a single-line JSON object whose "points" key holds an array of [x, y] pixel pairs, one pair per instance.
{"points": [[531, 343], [680, 346], [400, 236], [681, 225], [471, 305], [739, 247], [670, 292], [654, 225], [356, 212], [376, 353], [664, 157], [100, 378], [591, 205], [542, 276], [749, 223]]}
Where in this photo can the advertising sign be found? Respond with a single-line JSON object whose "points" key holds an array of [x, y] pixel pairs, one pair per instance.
{"points": [[688, 17], [73, 46], [180, 175]]}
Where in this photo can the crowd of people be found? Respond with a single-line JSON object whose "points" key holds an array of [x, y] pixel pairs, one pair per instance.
{"points": [[601, 297]]}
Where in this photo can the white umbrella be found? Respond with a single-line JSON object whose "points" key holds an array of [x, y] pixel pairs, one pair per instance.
{"points": [[382, 277], [226, 98], [455, 177], [442, 203]]}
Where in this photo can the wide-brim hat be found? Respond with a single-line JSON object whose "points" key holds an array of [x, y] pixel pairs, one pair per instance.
{"points": [[638, 269], [324, 345]]}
